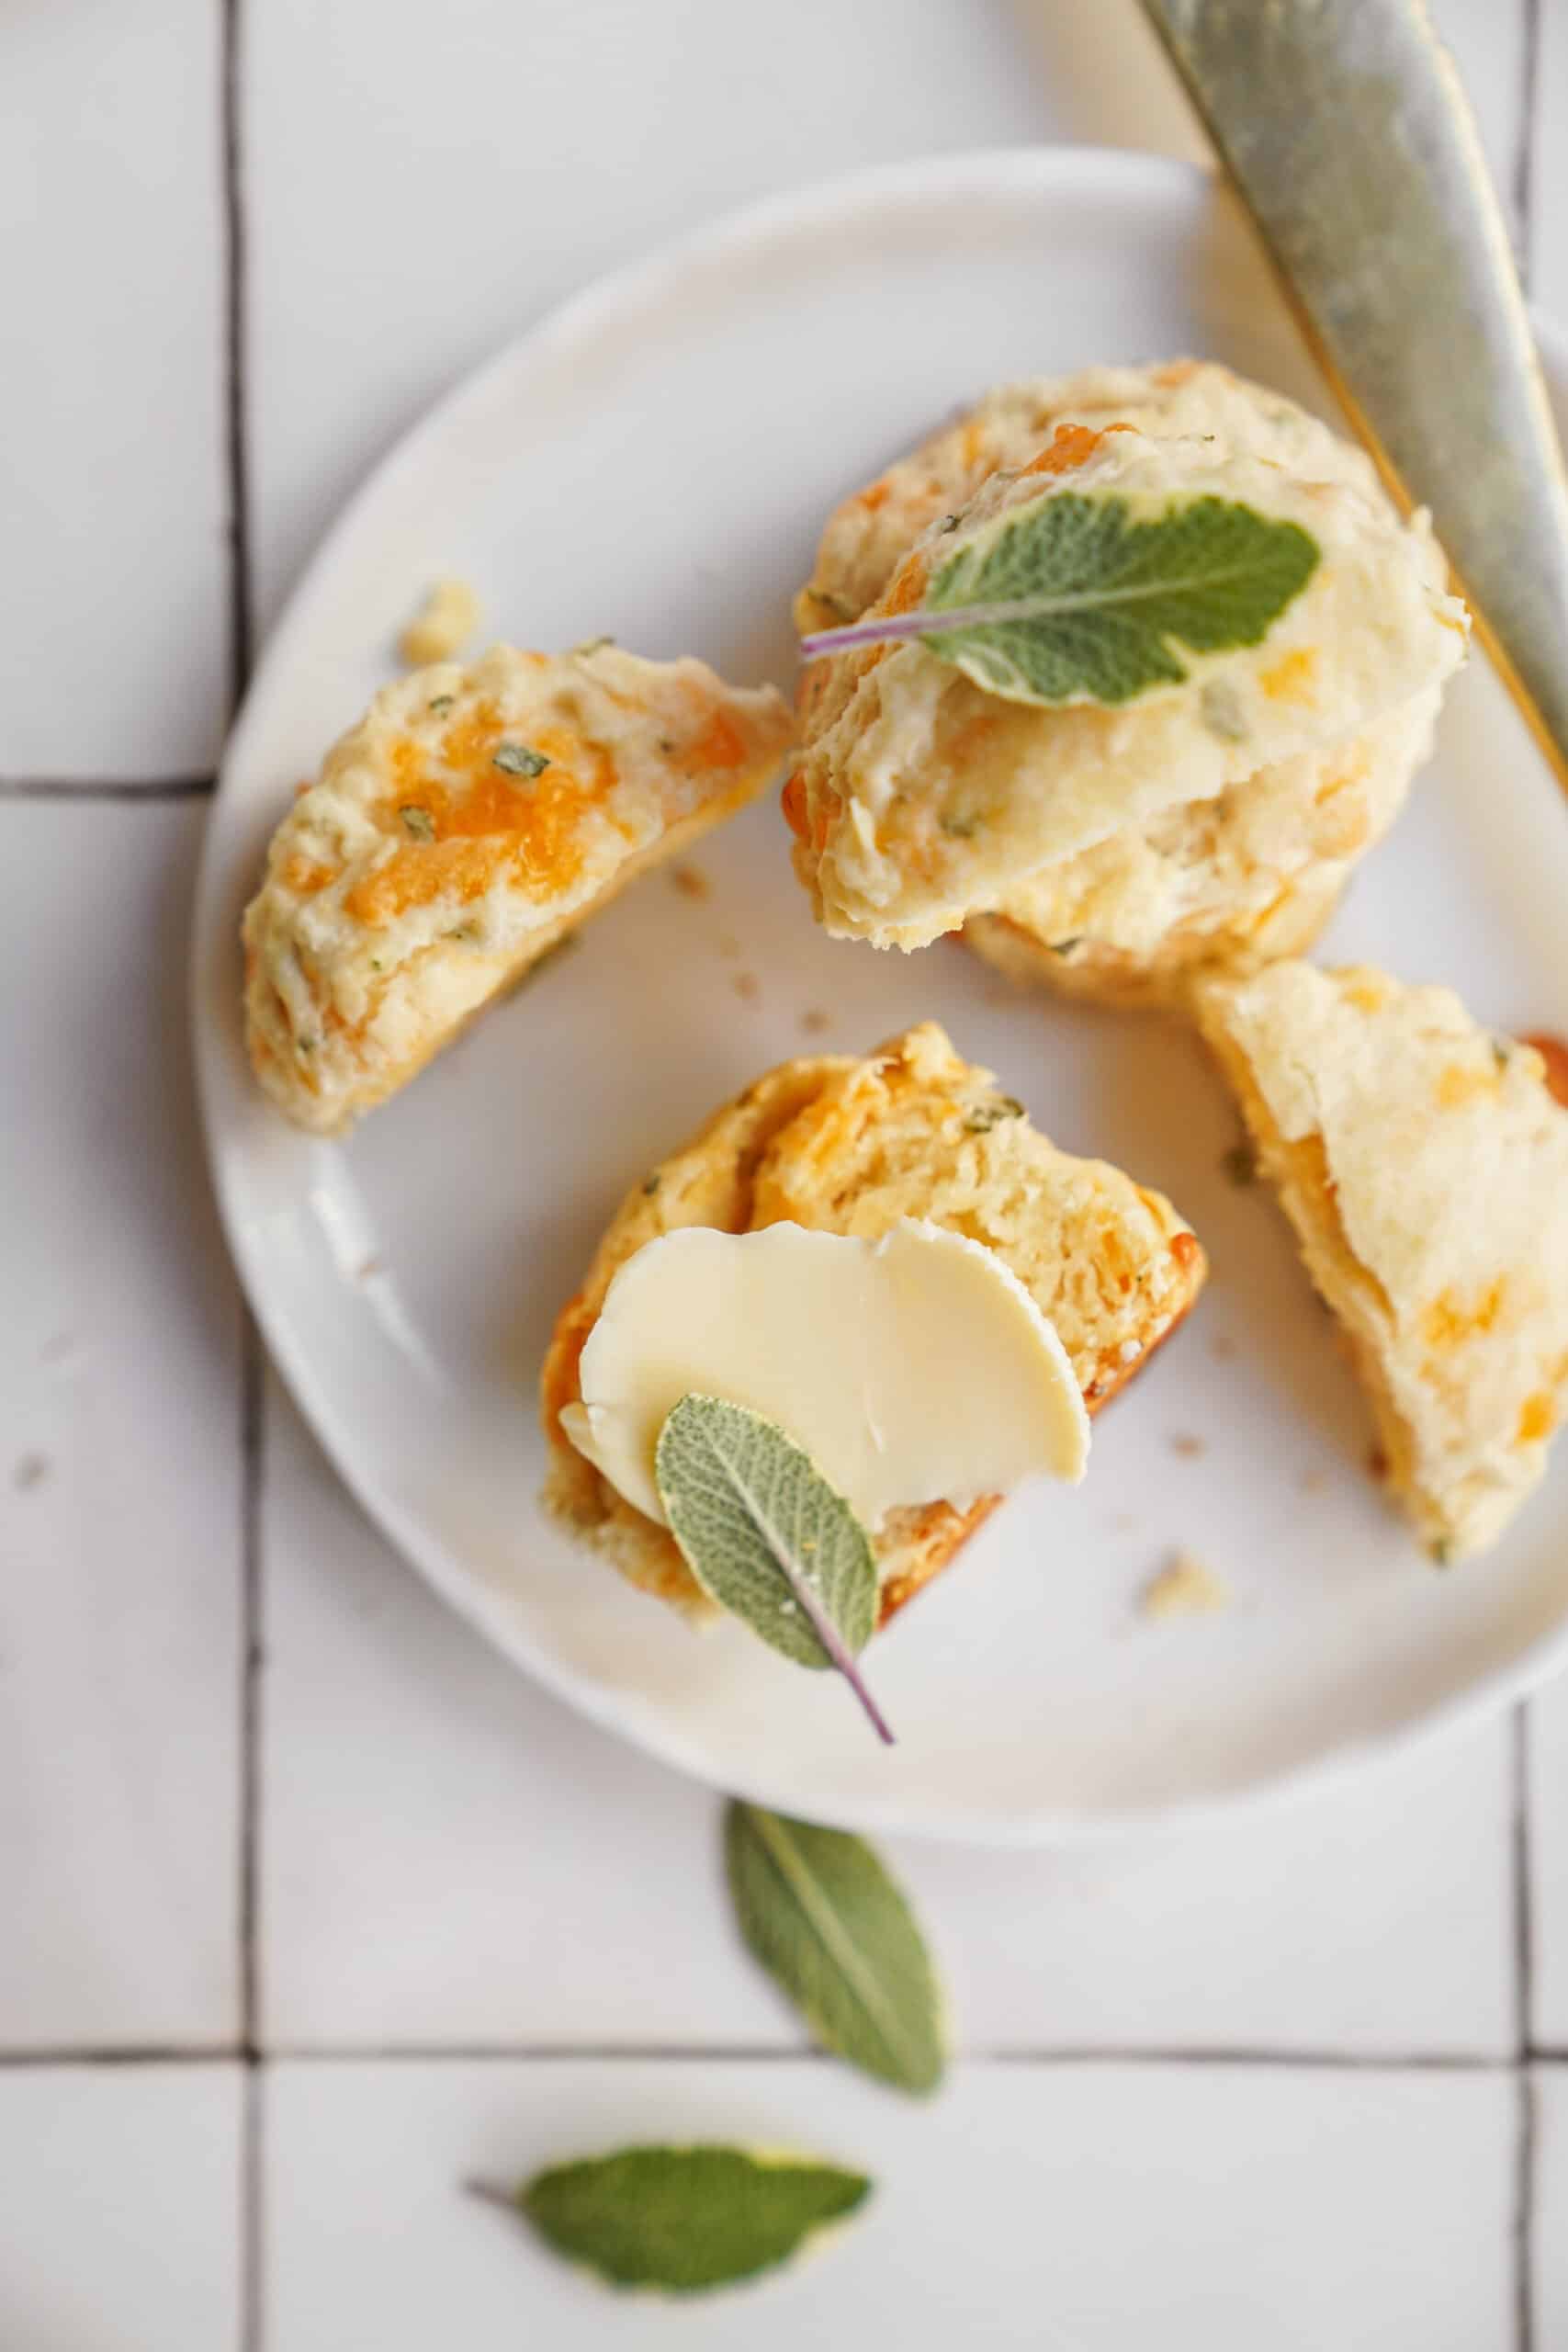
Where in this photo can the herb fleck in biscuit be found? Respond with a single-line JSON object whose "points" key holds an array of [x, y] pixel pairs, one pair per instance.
{"points": [[850, 1146], [1424, 1165], [470, 821]]}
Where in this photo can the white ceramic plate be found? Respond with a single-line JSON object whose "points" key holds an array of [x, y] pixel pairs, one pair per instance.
{"points": [[655, 462]]}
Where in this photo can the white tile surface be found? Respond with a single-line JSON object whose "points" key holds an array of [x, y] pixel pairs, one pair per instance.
{"points": [[111, 357], [1549, 2231], [450, 1859], [1068, 2210], [119, 1474], [554, 146], [1549, 1847], [550, 143], [120, 2188]]}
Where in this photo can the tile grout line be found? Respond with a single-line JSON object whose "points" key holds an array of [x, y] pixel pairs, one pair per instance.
{"points": [[79, 787], [253, 1415], [133, 2054], [1525, 2190]]}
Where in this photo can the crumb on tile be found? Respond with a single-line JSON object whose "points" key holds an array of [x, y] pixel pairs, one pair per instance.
{"points": [[747, 988], [443, 624], [1185, 1587], [30, 1471], [691, 882], [1189, 1447], [1222, 1349], [369, 1267], [728, 945], [814, 1023]]}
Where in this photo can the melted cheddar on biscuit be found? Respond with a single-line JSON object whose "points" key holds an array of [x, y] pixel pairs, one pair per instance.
{"points": [[470, 820]]}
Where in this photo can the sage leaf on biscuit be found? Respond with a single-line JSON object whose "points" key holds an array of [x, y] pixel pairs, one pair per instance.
{"points": [[767, 1537], [684, 2219], [820, 1912], [1072, 598]]}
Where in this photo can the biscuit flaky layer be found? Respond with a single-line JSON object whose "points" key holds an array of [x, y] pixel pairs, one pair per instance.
{"points": [[1424, 1165], [471, 819], [848, 1146]]}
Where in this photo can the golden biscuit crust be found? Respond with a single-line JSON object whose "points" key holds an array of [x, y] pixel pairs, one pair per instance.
{"points": [[847, 1144], [1424, 1165], [469, 821]]}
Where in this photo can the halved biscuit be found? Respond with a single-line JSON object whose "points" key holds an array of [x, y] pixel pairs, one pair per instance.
{"points": [[850, 1146], [469, 821], [921, 798], [1230, 880], [1424, 1165]]}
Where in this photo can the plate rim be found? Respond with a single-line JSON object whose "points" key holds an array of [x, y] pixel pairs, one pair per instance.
{"points": [[978, 171]]}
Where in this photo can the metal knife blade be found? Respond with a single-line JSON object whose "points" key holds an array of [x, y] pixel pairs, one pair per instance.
{"points": [[1346, 130]]}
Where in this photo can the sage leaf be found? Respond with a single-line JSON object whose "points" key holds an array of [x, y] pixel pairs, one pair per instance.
{"points": [[818, 1909], [767, 1537], [1071, 598], [687, 2219]]}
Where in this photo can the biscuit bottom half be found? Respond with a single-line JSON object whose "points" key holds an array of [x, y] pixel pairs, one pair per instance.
{"points": [[848, 1145]]}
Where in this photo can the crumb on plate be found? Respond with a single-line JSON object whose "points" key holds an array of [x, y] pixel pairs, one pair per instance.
{"points": [[1185, 1587], [443, 624]]}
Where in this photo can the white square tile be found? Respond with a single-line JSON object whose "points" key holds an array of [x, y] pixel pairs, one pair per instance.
{"points": [[459, 186], [1549, 1852], [120, 2189], [112, 499], [120, 1510], [1548, 2214], [450, 1858], [1079, 2209]]}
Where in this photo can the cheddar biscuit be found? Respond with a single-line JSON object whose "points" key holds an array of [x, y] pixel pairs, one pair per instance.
{"points": [[850, 1146], [470, 821], [1224, 877], [1424, 1165]]}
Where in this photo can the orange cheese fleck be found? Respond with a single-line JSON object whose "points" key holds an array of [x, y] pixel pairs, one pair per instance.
{"points": [[1071, 446], [1458, 1085], [1291, 680], [1537, 1417]]}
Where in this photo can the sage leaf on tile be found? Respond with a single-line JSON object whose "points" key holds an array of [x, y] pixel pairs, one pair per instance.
{"points": [[767, 1537], [1073, 598], [685, 2219], [819, 1910]]}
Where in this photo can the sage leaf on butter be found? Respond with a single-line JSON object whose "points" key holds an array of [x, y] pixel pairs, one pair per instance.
{"points": [[818, 1909], [687, 2219], [1071, 598], [767, 1537]]}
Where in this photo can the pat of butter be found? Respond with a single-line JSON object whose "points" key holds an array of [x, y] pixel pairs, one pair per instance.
{"points": [[914, 1369]]}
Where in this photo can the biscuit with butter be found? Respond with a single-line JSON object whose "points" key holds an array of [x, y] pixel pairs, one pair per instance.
{"points": [[846, 1146]]}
